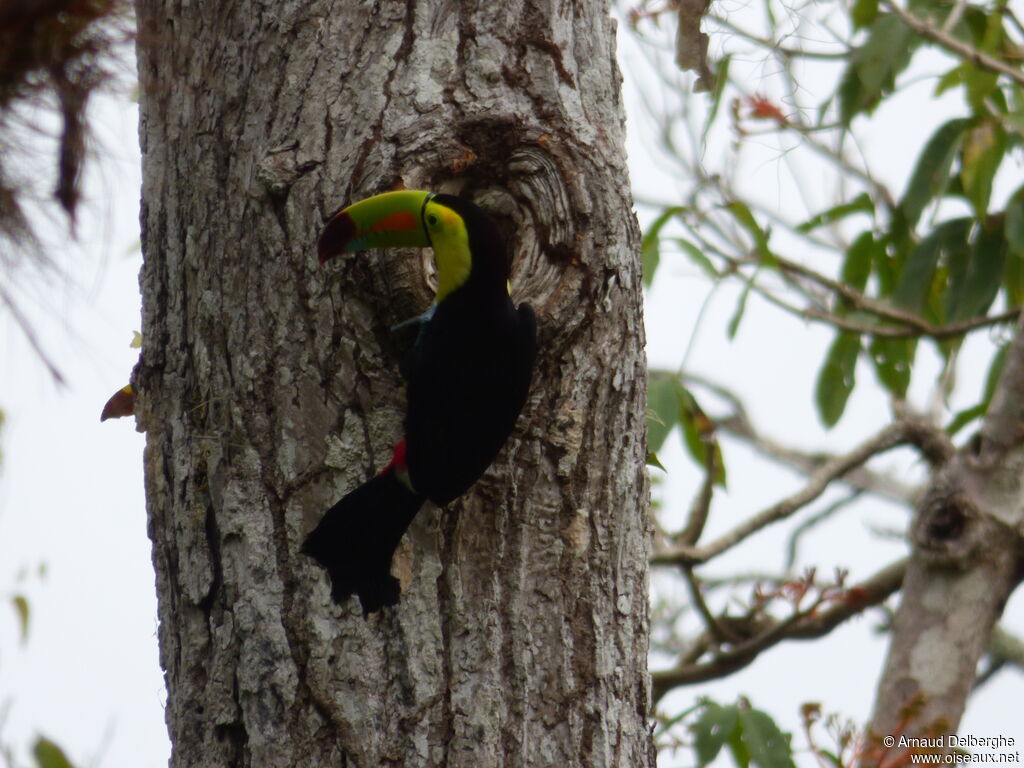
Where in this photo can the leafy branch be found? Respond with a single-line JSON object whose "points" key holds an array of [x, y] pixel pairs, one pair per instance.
{"points": [[964, 51]]}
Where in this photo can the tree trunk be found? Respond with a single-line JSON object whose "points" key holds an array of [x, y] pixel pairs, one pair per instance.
{"points": [[968, 557], [268, 386]]}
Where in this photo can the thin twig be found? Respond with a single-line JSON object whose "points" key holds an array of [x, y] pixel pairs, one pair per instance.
{"points": [[806, 132], [698, 516], [802, 625], [30, 334], [844, 164], [954, 16], [815, 520], [772, 45], [714, 627]]}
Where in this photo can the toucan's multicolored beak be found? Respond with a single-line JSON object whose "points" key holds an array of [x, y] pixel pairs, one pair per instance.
{"points": [[390, 220]]}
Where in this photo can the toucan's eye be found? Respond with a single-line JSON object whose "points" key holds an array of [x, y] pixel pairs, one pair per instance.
{"points": [[432, 219]]}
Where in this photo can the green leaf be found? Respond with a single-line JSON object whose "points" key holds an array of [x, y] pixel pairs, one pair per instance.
{"points": [[860, 204], [745, 219], [995, 372], [768, 746], [837, 378], [850, 95], [879, 58], [1015, 122], [739, 749], [994, 34], [1013, 230], [916, 281], [931, 174], [966, 416], [49, 755], [21, 607], [983, 31], [663, 395], [667, 723], [654, 461], [860, 256], [864, 13], [715, 726], [983, 275], [918, 273], [650, 256], [669, 403], [650, 253], [741, 307], [883, 55], [980, 84], [873, 67], [1014, 225], [983, 149], [721, 78], [893, 360], [697, 257], [697, 431], [890, 256], [957, 256], [952, 79]]}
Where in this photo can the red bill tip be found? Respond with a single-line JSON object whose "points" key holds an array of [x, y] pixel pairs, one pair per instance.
{"points": [[336, 235]]}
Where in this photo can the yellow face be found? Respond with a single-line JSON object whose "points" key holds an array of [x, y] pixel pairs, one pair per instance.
{"points": [[450, 240]]}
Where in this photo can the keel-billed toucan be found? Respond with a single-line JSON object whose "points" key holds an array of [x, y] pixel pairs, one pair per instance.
{"points": [[468, 374]]}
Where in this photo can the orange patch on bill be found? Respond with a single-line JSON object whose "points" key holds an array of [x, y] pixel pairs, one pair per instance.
{"points": [[400, 221]]}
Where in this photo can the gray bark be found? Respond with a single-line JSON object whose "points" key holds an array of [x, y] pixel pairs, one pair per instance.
{"points": [[268, 386], [968, 557]]}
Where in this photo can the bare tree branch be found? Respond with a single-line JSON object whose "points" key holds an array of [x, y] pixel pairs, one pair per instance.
{"points": [[932, 442], [802, 625]]}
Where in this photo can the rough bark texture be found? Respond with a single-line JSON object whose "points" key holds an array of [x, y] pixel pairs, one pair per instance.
{"points": [[269, 386], [968, 539]]}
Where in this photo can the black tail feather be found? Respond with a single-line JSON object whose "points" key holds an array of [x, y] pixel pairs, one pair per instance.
{"points": [[357, 537]]}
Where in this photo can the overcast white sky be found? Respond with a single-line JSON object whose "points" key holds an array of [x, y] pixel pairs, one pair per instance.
{"points": [[71, 489]]}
